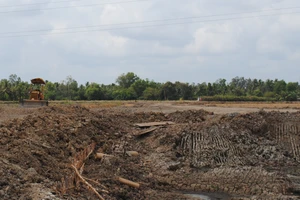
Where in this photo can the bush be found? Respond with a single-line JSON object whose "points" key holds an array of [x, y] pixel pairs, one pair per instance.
{"points": [[291, 96], [270, 94]]}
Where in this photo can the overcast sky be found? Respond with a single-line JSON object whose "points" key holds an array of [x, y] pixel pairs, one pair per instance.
{"points": [[204, 47]]}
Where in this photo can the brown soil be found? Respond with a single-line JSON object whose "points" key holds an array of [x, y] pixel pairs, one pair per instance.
{"points": [[216, 107], [227, 156]]}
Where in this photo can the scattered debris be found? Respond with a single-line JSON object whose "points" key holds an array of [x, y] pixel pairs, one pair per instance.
{"points": [[253, 155], [89, 186]]}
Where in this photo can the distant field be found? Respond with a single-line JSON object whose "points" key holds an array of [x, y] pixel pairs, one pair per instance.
{"points": [[250, 104], [226, 104], [173, 106]]}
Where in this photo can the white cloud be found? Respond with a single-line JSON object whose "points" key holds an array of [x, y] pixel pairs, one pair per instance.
{"points": [[113, 14], [267, 44], [219, 38], [295, 56], [262, 47]]}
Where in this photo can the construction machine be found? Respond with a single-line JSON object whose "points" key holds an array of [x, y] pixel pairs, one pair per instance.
{"points": [[36, 94]]}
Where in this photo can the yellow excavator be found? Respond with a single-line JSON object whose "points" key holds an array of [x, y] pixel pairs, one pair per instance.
{"points": [[36, 94]]}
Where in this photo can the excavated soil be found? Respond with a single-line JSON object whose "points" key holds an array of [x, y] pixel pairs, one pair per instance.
{"points": [[222, 156]]}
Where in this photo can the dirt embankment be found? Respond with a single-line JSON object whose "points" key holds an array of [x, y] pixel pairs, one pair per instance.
{"points": [[253, 155]]}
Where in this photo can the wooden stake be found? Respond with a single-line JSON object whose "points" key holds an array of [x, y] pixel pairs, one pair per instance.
{"points": [[132, 153], [128, 182], [102, 155]]}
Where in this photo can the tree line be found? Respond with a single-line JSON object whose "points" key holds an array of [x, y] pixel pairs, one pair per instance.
{"points": [[131, 87]]}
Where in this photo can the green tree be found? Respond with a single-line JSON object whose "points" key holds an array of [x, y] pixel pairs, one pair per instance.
{"points": [[72, 88], [168, 91], [292, 87], [124, 94], [22, 90], [126, 80], [201, 89], [139, 87], [291, 96], [50, 91], [151, 94], [15, 87], [4, 90], [269, 94], [257, 93], [210, 90], [253, 86], [93, 92], [184, 90], [279, 86], [238, 86], [220, 87], [269, 86], [81, 93]]}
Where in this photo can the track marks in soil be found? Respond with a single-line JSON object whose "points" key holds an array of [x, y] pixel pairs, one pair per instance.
{"points": [[210, 148], [289, 134]]}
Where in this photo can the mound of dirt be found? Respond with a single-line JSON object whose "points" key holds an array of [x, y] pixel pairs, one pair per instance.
{"points": [[240, 155], [36, 153]]}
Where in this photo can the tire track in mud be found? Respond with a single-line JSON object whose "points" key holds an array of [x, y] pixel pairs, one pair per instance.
{"points": [[210, 145], [228, 155], [246, 181], [288, 136]]}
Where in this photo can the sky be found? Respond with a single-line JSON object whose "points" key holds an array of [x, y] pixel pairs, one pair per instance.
{"points": [[191, 41]]}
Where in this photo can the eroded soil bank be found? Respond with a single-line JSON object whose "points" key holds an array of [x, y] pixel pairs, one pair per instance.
{"points": [[242, 156]]}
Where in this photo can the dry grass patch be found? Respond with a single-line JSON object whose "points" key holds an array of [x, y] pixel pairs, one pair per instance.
{"points": [[89, 104]]}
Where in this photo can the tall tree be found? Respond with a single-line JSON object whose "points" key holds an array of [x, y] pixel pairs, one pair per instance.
{"points": [[279, 86], [126, 80], [292, 86], [93, 92], [168, 91], [139, 87], [184, 90], [72, 87]]}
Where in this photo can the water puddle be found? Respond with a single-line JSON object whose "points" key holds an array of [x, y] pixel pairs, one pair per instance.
{"points": [[208, 196], [200, 196]]}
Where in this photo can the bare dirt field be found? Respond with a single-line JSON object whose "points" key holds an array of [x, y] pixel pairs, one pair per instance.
{"points": [[216, 107], [150, 150]]}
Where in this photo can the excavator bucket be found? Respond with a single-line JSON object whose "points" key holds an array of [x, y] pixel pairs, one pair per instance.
{"points": [[33, 103]]}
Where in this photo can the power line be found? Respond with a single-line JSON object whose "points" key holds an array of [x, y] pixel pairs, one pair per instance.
{"points": [[149, 21], [154, 25], [33, 4], [79, 6]]}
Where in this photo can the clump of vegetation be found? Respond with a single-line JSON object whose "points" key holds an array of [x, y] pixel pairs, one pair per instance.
{"points": [[131, 87]]}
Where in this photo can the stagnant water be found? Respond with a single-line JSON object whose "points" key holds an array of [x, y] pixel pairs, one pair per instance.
{"points": [[200, 196], [208, 196]]}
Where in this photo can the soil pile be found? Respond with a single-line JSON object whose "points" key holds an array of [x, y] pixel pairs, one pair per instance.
{"points": [[240, 155]]}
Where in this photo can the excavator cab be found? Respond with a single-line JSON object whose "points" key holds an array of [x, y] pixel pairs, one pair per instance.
{"points": [[36, 94]]}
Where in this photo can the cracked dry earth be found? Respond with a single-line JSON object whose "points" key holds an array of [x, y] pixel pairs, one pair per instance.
{"points": [[201, 156]]}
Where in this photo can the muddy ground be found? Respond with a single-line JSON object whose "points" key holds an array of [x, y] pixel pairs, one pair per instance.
{"points": [[205, 154]]}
